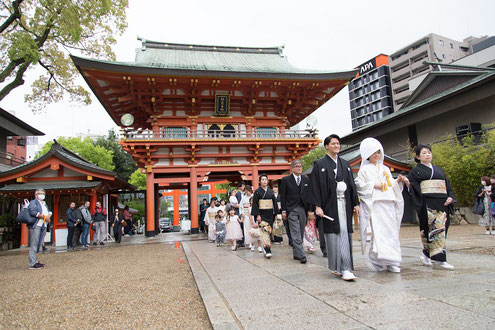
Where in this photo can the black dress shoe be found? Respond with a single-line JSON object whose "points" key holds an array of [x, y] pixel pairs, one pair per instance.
{"points": [[303, 260], [296, 258], [325, 255]]}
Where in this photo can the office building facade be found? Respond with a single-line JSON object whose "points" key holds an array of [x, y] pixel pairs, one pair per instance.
{"points": [[408, 62], [370, 93]]}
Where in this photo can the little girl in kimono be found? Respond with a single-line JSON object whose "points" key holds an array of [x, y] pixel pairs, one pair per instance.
{"points": [[310, 234], [233, 229]]}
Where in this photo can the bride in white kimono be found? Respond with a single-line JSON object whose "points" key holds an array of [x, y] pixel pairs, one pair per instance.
{"points": [[382, 207]]}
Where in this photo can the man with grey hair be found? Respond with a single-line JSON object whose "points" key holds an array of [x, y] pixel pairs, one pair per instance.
{"points": [[293, 189], [40, 217]]}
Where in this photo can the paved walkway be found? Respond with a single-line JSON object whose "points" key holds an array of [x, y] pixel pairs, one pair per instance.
{"points": [[244, 290]]}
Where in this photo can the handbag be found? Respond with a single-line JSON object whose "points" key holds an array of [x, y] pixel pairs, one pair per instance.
{"points": [[278, 227], [24, 216], [493, 209], [479, 207], [254, 232]]}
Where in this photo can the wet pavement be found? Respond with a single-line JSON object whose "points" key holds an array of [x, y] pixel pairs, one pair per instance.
{"points": [[242, 289]]}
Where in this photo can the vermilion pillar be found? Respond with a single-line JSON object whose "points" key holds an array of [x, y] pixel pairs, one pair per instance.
{"points": [[176, 195], [24, 234], [194, 201], [55, 215], [92, 205], [150, 205], [254, 178]]}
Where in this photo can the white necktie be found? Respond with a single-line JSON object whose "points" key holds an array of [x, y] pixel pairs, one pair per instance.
{"points": [[298, 180]]}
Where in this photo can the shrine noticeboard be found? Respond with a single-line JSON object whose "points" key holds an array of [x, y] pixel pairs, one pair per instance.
{"points": [[222, 105]]}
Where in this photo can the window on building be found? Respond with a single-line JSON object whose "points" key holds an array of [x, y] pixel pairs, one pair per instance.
{"points": [[443, 56], [451, 46], [441, 42]]}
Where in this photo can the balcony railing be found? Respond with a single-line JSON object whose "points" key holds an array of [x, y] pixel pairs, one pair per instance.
{"points": [[9, 160], [182, 134]]}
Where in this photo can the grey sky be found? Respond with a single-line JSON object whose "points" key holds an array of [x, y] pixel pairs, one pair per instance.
{"points": [[332, 35]]}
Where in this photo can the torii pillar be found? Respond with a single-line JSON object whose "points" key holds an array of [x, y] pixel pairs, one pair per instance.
{"points": [[150, 203], [193, 205]]}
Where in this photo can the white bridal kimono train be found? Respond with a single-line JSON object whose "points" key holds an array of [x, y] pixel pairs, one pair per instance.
{"points": [[382, 209]]}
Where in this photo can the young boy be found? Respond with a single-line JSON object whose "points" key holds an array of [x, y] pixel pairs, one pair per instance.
{"points": [[219, 230]]}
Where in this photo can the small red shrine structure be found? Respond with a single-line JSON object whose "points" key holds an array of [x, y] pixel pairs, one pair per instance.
{"points": [[192, 113], [66, 177]]}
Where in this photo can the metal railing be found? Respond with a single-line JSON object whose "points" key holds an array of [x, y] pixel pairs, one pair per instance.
{"points": [[9, 160], [183, 134]]}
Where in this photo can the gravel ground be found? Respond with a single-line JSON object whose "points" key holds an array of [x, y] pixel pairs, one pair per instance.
{"points": [[140, 286]]}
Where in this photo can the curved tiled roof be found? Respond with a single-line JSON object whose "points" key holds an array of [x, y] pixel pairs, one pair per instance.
{"points": [[64, 154], [182, 59], [50, 185]]}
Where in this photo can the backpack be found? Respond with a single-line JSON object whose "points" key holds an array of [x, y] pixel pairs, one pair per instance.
{"points": [[24, 216]]}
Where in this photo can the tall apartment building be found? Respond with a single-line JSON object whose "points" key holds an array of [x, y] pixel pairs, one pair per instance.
{"points": [[370, 93], [407, 62]]}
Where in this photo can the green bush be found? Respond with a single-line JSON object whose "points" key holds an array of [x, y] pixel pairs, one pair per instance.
{"points": [[465, 163], [7, 220], [137, 204]]}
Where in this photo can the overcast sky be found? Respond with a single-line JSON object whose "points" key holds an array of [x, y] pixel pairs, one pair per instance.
{"points": [[323, 34]]}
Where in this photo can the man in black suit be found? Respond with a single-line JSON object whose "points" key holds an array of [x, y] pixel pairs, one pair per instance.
{"points": [[293, 188]]}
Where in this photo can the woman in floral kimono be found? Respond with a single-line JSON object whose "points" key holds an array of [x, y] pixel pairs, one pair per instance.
{"points": [[433, 196]]}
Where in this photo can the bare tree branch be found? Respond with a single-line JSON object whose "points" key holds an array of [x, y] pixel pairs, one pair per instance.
{"points": [[18, 81], [10, 68], [16, 14]]}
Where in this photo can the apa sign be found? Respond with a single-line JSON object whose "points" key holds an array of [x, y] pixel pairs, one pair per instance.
{"points": [[370, 65]]}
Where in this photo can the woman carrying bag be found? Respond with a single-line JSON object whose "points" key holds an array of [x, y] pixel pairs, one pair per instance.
{"points": [[482, 205]]}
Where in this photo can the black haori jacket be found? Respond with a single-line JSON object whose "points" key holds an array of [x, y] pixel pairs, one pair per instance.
{"points": [[323, 191]]}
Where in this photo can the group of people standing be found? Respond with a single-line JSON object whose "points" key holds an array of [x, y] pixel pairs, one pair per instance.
{"points": [[80, 220], [333, 195]]}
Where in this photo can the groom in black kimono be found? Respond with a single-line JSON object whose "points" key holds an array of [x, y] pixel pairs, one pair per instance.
{"points": [[333, 193]]}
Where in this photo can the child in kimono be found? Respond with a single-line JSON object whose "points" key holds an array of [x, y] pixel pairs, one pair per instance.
{"points": [[219, 230], [310, 234]]}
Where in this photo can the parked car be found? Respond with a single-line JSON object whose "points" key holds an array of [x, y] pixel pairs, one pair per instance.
{"points": [[165, 224]]}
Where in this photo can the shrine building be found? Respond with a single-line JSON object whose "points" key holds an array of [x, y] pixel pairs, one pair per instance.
{"points": [[66, 177], [195, 113]]}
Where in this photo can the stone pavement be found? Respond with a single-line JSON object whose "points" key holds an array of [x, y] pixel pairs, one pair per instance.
{"points": [[242, 289]]}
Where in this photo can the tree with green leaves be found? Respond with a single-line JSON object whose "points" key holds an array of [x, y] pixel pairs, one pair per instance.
{"points": [[124, 164], [317, 153], [85, 148], [466, 162], [138, 179], [43, 33]]}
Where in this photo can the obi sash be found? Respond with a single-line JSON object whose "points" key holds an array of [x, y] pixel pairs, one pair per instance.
{"points": [[266, 204], [433, 187], [211, 215]]}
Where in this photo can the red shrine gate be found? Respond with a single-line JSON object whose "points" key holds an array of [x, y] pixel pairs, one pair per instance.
{"points": [[212, 190], [193, 113]]}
